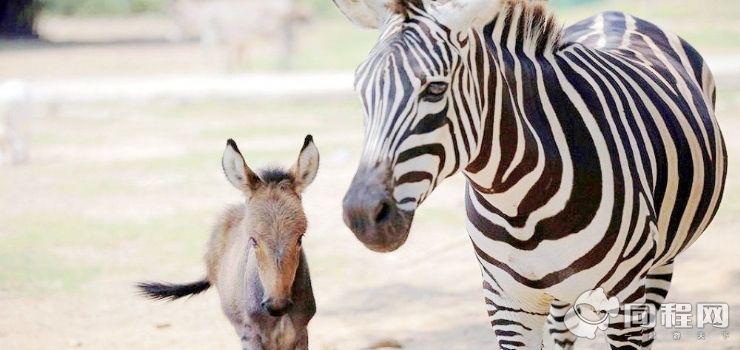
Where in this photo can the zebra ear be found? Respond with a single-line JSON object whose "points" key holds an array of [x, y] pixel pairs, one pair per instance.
{"points": [[462, 14], [364, 13]]}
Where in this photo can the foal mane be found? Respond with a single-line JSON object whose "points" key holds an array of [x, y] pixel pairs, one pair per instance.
{"points": [[275, 175]]}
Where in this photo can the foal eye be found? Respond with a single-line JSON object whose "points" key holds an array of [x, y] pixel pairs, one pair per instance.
{"points": [[434, 92], [252, 241], [300, 239]]}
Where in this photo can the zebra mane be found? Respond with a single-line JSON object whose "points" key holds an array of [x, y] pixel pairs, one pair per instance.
{"points": [[401, 7], [537, 25]]}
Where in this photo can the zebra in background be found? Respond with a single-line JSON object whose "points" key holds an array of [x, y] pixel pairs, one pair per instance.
{"points": [[234, 32], [592, 154]]}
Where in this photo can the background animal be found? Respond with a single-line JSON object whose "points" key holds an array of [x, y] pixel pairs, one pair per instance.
{"points": [[592, 153], [15, 115], [255, 257], [231, 31]]}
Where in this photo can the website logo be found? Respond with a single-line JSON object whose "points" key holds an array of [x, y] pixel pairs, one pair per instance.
{"points": [[591, 313]]}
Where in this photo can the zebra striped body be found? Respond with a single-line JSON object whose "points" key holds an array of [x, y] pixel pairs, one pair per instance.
{"points": [[618, 164], [592, 154]]}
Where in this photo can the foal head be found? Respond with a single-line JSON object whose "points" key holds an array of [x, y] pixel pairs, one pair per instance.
{"points": [[275, 221]]}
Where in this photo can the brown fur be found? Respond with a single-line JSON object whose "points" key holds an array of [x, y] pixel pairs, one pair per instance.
{"points": [[224, 228], [274, 217], [254, 256]]}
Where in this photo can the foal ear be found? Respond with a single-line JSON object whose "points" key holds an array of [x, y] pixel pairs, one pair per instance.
{"points": [[305, 168], [237, 171]]}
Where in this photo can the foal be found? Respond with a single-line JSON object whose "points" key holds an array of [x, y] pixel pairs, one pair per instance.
{"points": [[254, 255]]}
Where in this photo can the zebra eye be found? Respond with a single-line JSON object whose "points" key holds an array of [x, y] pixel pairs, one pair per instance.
{"points": [[434, 92]]}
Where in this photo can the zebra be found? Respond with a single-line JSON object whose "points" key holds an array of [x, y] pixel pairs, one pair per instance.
{"points": [[591, 153]]}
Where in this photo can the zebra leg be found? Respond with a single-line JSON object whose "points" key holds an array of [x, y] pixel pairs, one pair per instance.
{"points": [[559, 335], [657, 284], [621, 334], [517, 322]]}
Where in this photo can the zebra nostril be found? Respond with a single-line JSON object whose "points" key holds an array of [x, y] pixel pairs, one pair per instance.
{"points": [[382, 212]]}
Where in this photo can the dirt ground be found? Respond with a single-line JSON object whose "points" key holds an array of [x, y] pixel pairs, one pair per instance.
{"points": [[116, 194]]}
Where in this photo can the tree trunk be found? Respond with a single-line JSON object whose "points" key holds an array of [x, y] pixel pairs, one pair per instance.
{"points": [[17, 18]]}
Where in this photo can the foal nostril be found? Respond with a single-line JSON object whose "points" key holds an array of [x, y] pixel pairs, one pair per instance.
{"points": [[382, 212], [277, 309]]}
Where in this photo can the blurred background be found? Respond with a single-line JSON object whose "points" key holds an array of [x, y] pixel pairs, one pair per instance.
{"points": [[113, 118]]}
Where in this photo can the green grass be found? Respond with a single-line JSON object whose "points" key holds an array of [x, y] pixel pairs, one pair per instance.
{"points": [[44, 252], [35, 271]]}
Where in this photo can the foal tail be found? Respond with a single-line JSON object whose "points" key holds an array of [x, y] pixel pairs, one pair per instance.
{"points": [[169, 291]]}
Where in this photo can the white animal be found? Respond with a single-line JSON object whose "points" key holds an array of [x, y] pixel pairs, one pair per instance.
{"points": [[230, 29], [15, 111]]}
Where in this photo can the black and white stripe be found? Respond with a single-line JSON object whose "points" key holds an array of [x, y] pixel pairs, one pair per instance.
{"points": [[592, 154]]}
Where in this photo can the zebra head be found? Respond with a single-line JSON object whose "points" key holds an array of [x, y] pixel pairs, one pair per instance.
{"points": [[419, 102]]}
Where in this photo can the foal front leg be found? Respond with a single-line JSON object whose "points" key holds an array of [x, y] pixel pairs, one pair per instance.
{"points": [[301, 342], [518, 323], [250, 339]]}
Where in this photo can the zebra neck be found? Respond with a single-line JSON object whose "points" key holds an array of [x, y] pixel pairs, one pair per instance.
{"points": [[525, 26], [507, 52], [510, 139]]}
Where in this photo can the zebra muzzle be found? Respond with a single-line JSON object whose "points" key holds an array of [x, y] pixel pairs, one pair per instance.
{"points": [[371, 212]]}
